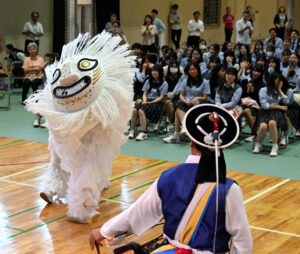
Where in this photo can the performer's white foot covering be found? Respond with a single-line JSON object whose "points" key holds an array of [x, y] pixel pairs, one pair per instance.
{"points": [[76, 219]]}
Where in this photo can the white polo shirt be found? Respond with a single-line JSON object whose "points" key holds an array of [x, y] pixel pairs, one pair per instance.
{"points": [[243, 37], [193, 25], [33, 27]]}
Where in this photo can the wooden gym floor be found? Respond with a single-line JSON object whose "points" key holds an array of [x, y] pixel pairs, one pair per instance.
{"points": [[29, 225]]}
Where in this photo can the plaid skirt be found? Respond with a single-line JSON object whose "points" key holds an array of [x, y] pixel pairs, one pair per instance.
{"points": [[264, 116], [293, 113], [152, 111]]}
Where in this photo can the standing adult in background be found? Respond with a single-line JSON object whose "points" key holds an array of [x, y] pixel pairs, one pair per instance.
{"points": [[195, 27], [109, 24], [148, 33], [251, 15], [175, 21], [160, 28], [228, 19], [281, 22], [33, 30], [294, 40], [244, 30]]}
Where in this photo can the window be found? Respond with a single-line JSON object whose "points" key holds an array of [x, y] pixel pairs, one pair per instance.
{"points": [[212, 12]]}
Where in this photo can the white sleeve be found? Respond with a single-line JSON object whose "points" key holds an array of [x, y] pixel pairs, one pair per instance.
{"points": [[41, 28], [138, 218], [238, 26], [26, 27], [202, 27], [237, 224]]}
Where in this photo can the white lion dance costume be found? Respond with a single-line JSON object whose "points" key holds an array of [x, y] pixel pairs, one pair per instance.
{"points": [[87, 102]]}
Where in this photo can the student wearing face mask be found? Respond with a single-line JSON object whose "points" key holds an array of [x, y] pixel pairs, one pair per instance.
{"points": [[273, 67], [270, 51], [172, 78]]}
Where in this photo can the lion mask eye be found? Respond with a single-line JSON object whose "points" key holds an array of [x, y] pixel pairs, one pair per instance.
{"points": [[86, 64], [56, 76]]}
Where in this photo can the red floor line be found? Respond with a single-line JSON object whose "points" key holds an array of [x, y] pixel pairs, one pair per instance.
{"points": [[23, 163]]}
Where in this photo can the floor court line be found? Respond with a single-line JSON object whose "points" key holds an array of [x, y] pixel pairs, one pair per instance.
{"points": [[24, 163], [23, 184], [275, 231], [24, 171], [266, 191]]}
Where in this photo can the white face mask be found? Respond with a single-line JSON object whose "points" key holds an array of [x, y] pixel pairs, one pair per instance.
{"points": [[269, 53], [173, 70], [203, 47]]}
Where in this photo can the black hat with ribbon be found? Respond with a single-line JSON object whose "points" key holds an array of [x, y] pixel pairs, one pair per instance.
{"points": [[200, 122]]}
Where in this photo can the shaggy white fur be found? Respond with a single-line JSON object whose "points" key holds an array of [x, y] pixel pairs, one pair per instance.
{"points": [[87, 102]]}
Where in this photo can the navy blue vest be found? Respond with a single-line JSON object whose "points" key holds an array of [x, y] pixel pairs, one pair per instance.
{"points": [[176, 188]]}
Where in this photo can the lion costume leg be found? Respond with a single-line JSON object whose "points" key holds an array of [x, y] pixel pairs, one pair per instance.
{"points": [[54, 180], [87, 181]]}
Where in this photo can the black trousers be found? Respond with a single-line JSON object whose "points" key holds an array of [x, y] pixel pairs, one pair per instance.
{"points": [[34, 84], [150, 48], [281, 32], [228, 34], [26, 44], [193, 41], [175, 37]]}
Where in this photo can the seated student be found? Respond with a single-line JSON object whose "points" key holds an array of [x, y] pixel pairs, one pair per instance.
{"points": [[164, 51], [273, 35], [293, 112], [244, 52], [229, 60], [227, 46], [273, 67], [250, 97], [140, 76], [171, 57], [229, 93], [172, 78], [213, 51], [15, 60], [136, 50], [184, 61], [217, 78], [271, 115], [182, 51], [174, 193], [206, 69], [286, 46], [292, 74], [258, 50], [236, 51], [285, 62], [245, 68], [193, 90], [155, 89], [270, 52]]}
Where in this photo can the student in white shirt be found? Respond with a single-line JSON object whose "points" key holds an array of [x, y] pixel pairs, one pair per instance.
{"points": [[195, 27], [244, 30], [33, 30]]}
